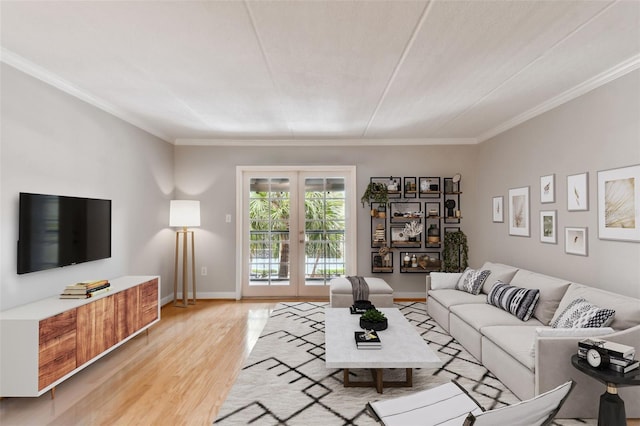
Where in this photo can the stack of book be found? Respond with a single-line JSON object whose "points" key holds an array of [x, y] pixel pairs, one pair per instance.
{"points": [[367, 340], [85, 289], [621, 357]]}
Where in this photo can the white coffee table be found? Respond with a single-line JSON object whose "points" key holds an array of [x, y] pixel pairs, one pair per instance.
{"points": [[402, 347]]}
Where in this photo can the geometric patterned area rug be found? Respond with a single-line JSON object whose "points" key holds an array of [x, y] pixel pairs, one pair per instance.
{"points": [[285, 382]]}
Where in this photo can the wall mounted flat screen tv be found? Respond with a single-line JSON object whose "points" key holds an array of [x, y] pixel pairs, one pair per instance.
{"points": [[57, 231]]}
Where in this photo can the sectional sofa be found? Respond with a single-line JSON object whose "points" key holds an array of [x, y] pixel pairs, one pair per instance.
{"points": [[531, 357]]}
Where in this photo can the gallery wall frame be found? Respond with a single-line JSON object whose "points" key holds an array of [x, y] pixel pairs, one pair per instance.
{"points": [[575, 240], [519, 223], [578, 192], [548, 189], [498, 209], [548, 227], [619, 204]]}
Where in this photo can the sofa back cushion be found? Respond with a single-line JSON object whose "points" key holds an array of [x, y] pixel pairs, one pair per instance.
{"points": [[551, 292], [627, 308], [499, 272]]}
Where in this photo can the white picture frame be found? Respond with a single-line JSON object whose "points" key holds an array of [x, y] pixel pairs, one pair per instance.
{"points": [[498, 209], [578, 192], [619, 204], [548, 227], [548, 189], [575, 240], [519, 223]]}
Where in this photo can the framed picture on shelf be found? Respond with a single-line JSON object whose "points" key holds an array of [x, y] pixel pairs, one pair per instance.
{"points": [[619, 204], [575, 241], [498, 209], [519, 212], [548, 232], [547, 189], [578, 192]]}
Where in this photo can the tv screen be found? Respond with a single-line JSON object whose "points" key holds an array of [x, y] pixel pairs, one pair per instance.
{"points": [[57, 231]]}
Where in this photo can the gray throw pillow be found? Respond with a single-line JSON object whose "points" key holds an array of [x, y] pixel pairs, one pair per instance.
{"points": [[471, 280]]}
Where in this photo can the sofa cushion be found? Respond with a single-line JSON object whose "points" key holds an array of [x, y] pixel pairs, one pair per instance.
{"points": [[627, 308], [582, 314], [440, 280], [551, 291], [483, 315], [499, 272], [448, 298], [514, 340], [471, 280], [517, 301]]}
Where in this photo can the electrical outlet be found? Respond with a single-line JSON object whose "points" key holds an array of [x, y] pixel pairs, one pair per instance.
{"points": [[227, 218], [203, 271]]}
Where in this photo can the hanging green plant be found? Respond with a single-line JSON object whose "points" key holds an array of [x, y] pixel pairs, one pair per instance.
{"points": [[455, 254], [375, 193]]}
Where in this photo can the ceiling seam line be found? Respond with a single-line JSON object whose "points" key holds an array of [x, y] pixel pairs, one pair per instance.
{"points": [[527, 66], [254, 27], [396, 69]]}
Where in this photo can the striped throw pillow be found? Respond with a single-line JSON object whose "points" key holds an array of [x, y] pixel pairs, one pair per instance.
{"points": [[520, 302]]}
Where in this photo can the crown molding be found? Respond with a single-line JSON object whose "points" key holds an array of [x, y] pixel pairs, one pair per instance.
{"points": [[35, 71], [601, 79], [324, 142]]}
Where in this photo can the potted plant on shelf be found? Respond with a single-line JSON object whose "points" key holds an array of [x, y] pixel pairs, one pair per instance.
{"points": [[413, 229], [376, 192], [455, 254], [373, 319]]}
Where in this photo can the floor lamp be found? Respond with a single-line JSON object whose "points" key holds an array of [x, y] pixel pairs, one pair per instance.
{"points": [[184, 213]]}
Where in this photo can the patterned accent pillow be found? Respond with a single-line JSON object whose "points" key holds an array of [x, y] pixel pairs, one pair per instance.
{"points": [[582, 314], [520, 302], [471, 280]]}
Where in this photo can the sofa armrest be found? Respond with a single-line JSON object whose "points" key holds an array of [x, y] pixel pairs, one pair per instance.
{"points": [[553, 367]]}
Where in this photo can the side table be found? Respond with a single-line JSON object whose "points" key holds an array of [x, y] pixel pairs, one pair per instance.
{"points": [[611, 411]]}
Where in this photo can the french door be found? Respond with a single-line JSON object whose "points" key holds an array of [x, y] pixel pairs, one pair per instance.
{"points": [[297, 230]]}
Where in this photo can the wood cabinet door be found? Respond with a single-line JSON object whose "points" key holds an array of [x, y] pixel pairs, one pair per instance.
{"points": [[57, 347], [127, 310], [149, 302], [96, 328]]}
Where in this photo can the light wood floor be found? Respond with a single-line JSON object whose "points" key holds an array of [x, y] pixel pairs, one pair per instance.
{"points": [[178, 374]]}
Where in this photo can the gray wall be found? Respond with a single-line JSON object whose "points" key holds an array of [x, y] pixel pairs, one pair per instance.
{"points": [[55, 144], [597, 131], [208, 174]]}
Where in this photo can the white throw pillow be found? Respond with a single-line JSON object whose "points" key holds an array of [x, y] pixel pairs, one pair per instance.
{"points": [[440, 280]]}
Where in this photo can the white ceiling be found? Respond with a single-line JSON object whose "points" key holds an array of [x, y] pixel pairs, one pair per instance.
{"points": [[391, 71]]}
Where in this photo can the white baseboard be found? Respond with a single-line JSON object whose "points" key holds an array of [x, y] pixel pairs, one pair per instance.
{"points": [[409, 295], [232, 296]]}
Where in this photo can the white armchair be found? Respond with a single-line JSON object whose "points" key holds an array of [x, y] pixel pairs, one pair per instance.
{"points": [[450, 405]]}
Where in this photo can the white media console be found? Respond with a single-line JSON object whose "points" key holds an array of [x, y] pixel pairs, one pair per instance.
{"points": [[45, 342]]}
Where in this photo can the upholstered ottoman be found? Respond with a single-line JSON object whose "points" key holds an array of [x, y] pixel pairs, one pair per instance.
{"points": [[380, 293]]}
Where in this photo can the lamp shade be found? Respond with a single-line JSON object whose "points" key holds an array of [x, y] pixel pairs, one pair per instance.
{"points": [[184, 213]]}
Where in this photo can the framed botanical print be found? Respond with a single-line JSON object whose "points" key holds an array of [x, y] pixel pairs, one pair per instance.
{"points": [[498, 209], [519, 211], [547, 189], [575, 241], [548, 227], [619, 204], [578, 192]]}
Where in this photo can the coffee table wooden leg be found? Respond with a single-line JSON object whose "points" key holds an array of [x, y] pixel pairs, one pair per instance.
{"points": [[377, 378]]}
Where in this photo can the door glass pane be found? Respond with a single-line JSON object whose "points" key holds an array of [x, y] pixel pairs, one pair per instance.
{"points": [[324, 205], [269, 262]]}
